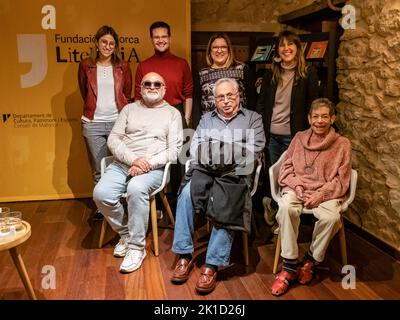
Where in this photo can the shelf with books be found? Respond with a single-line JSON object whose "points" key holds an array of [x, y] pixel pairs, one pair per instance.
{"points": [[319, 49]]}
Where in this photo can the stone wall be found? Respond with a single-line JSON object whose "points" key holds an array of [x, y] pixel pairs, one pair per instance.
{"points": [[369, 114], [237, 12], [241, 15]]}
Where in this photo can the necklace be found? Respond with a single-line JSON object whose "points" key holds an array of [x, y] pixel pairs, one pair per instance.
{"points": [[309, 168]]}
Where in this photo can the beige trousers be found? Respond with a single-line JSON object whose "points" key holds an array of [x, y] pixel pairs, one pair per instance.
{"points": [[288, 217]]}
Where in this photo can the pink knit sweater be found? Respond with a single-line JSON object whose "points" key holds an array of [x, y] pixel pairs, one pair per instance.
{"points": [[331, 167]]}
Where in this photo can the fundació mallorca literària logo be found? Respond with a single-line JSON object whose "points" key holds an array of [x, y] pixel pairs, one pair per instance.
{"points": [[32, 48]]}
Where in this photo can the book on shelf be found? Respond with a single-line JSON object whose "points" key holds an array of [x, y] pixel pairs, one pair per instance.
{"points": [[317, 49], [261, 54]]}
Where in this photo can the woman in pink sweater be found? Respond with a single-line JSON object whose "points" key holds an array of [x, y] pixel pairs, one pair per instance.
{"points": [[315, 174]]}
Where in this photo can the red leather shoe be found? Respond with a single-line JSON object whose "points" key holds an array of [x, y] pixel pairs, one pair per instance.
{"points": [[182, 270], [207, 280], [282, 283], [306, 272]]}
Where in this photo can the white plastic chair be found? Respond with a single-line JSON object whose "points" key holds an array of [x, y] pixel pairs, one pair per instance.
{"points": [[245, 237], [273, 178], [153, 209]]}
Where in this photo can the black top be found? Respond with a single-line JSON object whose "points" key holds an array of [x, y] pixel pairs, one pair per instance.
{"points": [[304, 92]]}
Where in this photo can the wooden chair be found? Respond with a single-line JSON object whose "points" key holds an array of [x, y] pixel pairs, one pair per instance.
{"points": [[273, 178], [153, 209], [245, 236]]}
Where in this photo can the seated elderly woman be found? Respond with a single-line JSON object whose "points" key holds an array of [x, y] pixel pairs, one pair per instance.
{"points": [[315, 174]]}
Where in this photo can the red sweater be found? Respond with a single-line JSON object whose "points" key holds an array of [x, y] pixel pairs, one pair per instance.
{"points": [[332, 164], [176, 73]]}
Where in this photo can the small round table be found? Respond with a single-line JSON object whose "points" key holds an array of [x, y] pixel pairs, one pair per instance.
{"points": [[11, 245]]}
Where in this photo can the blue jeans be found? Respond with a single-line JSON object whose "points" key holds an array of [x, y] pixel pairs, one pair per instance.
{"points": [[107, 194], [277, 145], [96, 134], [220, 243]]}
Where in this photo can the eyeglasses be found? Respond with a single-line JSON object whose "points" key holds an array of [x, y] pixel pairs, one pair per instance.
{"points": [[222, 48], [105, 43], [230, 96], [324, 117], [149, 85]]}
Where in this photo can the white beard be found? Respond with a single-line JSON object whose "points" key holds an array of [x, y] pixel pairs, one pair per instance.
{"points": [[152, 97]]}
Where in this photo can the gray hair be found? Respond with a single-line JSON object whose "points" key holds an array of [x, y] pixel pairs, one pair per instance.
{"points": [[222, 80], [322, 102]]}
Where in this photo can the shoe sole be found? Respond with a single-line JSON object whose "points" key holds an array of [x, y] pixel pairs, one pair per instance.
{"points": [[120, 255], [206, 290], [135, 268], [179, 280]]}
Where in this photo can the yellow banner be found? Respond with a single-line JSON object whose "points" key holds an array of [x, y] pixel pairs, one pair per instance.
{"points": [[43, 155]]}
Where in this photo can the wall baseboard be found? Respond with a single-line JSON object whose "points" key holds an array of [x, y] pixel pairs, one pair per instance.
{"points": [[393, 252]]}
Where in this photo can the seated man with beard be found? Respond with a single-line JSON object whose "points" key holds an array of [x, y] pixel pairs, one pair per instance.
{"points": [[146, 135]]}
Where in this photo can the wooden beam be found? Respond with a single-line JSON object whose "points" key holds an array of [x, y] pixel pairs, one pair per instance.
{"points": [[309, 11], [235, 27]]}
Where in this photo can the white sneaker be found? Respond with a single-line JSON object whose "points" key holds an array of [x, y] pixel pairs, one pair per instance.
{"points": [[133, 260], [269, 212], [121, 248]]}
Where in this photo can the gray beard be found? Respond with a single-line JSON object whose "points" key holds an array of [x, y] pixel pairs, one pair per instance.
{"points": [[152, 98]]}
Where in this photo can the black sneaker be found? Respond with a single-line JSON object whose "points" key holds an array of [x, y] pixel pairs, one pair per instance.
{"points": [[98, 215]]}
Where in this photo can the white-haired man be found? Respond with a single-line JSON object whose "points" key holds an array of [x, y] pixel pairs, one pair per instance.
{"points": [[219, 188]]}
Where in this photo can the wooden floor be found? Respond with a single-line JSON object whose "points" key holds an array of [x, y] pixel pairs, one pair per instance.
{"points": [[64, 236]]}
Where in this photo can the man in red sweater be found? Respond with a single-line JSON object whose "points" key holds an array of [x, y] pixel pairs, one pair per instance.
{"points": [[175, 71], [314, 174]]}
